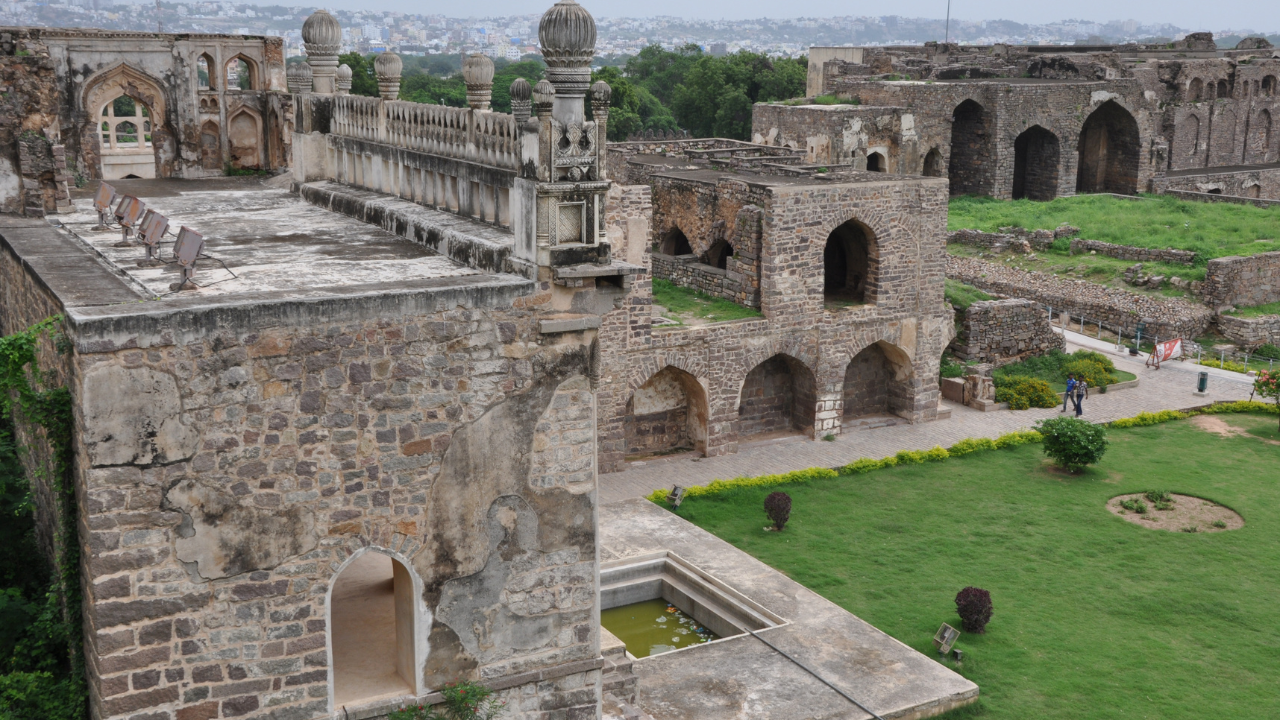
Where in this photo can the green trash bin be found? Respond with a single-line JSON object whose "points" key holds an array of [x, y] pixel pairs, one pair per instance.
{"points": [[1203, 383]]}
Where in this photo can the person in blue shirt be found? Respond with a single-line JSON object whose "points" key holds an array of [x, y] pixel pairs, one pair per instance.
{"points": [[1070, 394]]}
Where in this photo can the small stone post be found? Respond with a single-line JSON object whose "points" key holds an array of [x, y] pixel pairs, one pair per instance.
{"points": [[477, 73], [521, 92], [342, 79], [298, 78], [601, 93], [387, 67]]}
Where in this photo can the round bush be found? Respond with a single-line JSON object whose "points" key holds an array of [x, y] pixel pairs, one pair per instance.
{"points": [[1093, 372], [974, 607], [1023, 392], [1073, 443], [1097, 357], [778, 507]]}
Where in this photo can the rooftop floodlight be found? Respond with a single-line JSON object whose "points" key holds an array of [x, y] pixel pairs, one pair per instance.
{"points": [[153, 227], [102, 203], [128, 213], [945, 638], [186, 250], [676, 496]]}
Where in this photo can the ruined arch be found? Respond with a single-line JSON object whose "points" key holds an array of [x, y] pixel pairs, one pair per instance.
{"points": [[932, 163], [778, 397], [1258, 140], [1195, 90], [246, 72], [1224, 92], [1035, 164], [1193, 133], [877, 381], [104, 87], [1109, 151], [675, 243], [876, 162], [850, 264], [668, 412], [210, 146], [1269, 85], [244, 139], [206, 72], [378, 628], [969, 167], [718, 254]]}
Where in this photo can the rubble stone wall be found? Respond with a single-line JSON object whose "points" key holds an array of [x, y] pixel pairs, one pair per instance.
{"points": [[1128, 252], [1116, 309], [1242, 281], [840, 134], [1257, 184], [1251, 332], [1004, 331]]}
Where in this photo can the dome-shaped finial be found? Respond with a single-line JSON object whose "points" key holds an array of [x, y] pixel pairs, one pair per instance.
{"points": [[567, 33], [298, 78], [477, 74], [342, 78], [387, 67], [601, 93], [544, 94], [322, 34], [521, 92]]}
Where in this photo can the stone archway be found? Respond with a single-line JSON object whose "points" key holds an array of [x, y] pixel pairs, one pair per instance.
{"points": [[850, 265], [877, 381], [778, 397], [107, 85], [1035, 165], [667, 413], [1109, 151], [971, 154], [244, 140]]}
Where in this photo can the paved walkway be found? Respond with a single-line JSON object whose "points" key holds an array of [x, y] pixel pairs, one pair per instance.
{"points": [[1170, 388]]}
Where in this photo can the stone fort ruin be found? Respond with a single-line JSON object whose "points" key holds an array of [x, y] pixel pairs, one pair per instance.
{"points": [[357, 457]]}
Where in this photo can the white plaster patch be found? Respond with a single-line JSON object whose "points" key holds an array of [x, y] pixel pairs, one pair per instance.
{"points": [[132, 415], [10, 187], [1101, 96]]}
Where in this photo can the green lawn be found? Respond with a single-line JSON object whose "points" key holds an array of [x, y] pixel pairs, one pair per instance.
{"points": [[1212, 229], [962, 296], [685, 304], [1094, 617], [1098, 269]]}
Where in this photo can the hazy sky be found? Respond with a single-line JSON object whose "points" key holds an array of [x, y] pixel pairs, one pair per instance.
{"points": [[1196, 14]]}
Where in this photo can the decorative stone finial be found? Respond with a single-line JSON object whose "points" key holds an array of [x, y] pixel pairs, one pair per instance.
{"points": [[342, 79], [544, 94], [298, 78], [521, 92], [567, 33], [477, 73], [322, 37], [601, 94], [387, 67]]}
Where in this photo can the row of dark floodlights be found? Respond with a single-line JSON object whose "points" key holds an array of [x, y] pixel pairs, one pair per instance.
{"points": [[135, 218]]}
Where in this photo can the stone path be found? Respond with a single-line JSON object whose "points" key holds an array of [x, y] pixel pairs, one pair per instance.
{"points": [[1171, 388]]}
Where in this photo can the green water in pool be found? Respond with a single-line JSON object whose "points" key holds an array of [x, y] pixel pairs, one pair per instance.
{"points": [[654, 626]]}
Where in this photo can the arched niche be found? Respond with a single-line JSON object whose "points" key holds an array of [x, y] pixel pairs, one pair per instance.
{"points": [[932, 163], [876, 162], [779, 397], [667, 413], [877, 381], [1035, 164], [1109, 151], [244, 140], [850, 265]]}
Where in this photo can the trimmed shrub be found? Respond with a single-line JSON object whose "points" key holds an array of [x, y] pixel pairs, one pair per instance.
{"points": [[1016, 438], [1073, 443], [937, 453], [911, 457], [1097, 357], [1228, 365], [1143, 419], [778, 507], [971, 445], [860, 466], [719, 486], [1026, 392], [1093, 372], [973, 605]]}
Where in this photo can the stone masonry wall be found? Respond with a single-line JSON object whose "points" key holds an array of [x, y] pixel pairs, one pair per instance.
{"points": [[1251, 332], [628, 213], [840, 134], [1004, 331], [1242, 281], [1116, 309], [1128, 252], [1259, 183]]}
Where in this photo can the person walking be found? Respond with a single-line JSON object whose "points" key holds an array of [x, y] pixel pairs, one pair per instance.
{"points": [[1069, 395], [1082, 392]]}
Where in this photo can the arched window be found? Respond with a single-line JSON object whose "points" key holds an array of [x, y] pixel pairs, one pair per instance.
{"points": [[240, 74], [205, 78], [875, 162], [933, 164], [849, 265], [719, 253], [1223, 91], [1195, 90], [675, 243], [373, 616]]}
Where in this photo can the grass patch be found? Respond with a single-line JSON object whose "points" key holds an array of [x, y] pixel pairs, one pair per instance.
{"points": [[962, 296], [685, 304], [1159, 221], [1098, 269], [1091, 611], [1256, 310]]}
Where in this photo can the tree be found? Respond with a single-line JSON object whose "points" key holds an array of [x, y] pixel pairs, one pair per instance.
{"points": [[1073, 443], [778, 507], [363, 79], [1267, 385], [632, 109]]}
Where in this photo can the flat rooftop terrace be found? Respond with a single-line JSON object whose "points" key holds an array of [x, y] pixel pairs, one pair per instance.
{"points": [[781, 175]]}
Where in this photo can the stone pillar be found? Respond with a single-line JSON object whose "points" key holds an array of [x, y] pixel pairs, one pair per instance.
{"points": [[601, 93], [342, 80], [477, 73], [387, 67], [521, 93], [322, 38]]}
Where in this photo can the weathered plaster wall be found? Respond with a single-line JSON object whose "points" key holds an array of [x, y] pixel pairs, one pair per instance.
{"points": [[842, 134]]}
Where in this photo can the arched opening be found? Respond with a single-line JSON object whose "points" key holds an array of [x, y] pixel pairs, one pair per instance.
{"points": [[933, 163], [718, 254], [244, 138], [1258, 143], [1035, 165], [374, 629], [779, 397], [1193, 134], [877, 381], [1215, 191], [146, 102], [1223, 91], [849, 265], [240, 74], [1109, 151], [1253, 191], [970, 151], [210, 146], [667, 414], [1195, 90], [126, 140], [1269, 85], [875, 162], [204, 77], [675, 243]]}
